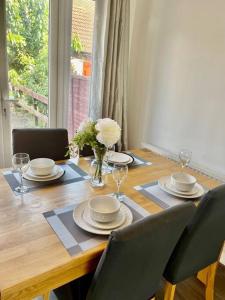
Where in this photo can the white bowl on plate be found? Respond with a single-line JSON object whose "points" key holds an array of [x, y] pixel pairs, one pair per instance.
{"points": [[42, 166], [183, 182], [104, 208]]}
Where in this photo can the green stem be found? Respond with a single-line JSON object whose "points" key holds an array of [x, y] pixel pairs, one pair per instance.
{"points": [[99, 155]]}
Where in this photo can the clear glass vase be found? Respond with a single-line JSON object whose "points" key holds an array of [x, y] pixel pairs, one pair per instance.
{"points": [[96, 169]]}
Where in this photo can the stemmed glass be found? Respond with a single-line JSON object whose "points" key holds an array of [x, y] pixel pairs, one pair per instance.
{"points": [[185, 157], [74, 153], [20, 162], [108, 154], [119, 173]]}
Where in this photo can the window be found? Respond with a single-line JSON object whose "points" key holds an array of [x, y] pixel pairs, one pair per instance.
{"points": [[35, 59], [27, 50], [81, 66]]}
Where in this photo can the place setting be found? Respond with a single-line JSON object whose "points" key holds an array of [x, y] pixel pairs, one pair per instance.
{"points": [[84, 225], [128, 158], [181, 185], [43, 170], [171, 190], [102, 214], [113, 157], [28, 175], [88, 223]]}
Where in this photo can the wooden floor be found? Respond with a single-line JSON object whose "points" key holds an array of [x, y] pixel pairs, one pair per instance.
{"points": [[192, 289]]}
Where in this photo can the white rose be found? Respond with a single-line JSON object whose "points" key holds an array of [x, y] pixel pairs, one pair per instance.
{"points": [[109, 132]]}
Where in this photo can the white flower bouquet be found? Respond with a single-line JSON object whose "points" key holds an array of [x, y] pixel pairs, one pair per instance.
{"points": [[100, 135]]}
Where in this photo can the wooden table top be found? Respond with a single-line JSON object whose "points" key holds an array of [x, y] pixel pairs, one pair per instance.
{"points": [[32, 259]]}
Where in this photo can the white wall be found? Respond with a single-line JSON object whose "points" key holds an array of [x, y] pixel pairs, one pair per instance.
{"points": [[177, 78]]}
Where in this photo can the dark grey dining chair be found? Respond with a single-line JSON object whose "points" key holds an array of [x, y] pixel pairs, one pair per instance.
{"points": [[41, 142], [132, 265], [199, 246]]}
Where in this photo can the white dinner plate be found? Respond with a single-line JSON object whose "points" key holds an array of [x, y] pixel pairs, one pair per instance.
{"points": [[120, 158], [32, 175], [79, 219], [58, 172], [117, 157], [110, 225], [163, 184], [172, 188]]}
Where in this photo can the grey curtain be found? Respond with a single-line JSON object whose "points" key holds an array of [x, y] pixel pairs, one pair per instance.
{"points": [[110, 63]]}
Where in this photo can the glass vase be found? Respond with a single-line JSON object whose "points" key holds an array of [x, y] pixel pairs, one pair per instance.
{"points": [[96, 169]]}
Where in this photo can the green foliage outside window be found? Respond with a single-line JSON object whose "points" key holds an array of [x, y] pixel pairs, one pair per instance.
{"points": [[27, 47], [76, 45], [27, 44]]}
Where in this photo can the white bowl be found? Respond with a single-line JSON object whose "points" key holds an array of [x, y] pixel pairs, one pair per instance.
{"points": [[42, 166], [104, 208], [183, 182]]}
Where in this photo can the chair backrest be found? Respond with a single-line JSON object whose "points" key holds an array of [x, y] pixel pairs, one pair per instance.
{"points": [[202, 240], [43, 142], [86, 151], [132, 265]]}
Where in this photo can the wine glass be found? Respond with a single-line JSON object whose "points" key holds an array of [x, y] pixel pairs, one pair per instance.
{"points": [[107, 168], [20, 162], [185, 157], [109, 153], [74, 152], [119, 173]]}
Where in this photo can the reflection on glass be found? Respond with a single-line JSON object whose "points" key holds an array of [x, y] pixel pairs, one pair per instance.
{"points": [[185, 157], [119, 173], [20, 162]]}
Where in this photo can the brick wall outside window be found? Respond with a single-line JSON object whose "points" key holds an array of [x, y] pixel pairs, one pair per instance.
{"points": [[78, 104]]}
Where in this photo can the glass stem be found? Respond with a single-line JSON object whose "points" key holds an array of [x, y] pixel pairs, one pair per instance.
{"points": [[118, 189], [21, 179], [107, 155]]}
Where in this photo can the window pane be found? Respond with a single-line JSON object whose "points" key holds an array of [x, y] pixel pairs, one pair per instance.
{"points": [[81, 56], [27, 49]]}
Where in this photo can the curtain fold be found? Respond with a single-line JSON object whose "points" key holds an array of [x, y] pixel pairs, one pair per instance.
{"points": [[110, 63]]}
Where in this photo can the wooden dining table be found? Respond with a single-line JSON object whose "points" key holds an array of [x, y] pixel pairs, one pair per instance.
{"points": [[32, 259]]}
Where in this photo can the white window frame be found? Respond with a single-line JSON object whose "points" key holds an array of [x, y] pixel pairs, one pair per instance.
{"points": [[60, 26], [59, 61], [5, 136]]}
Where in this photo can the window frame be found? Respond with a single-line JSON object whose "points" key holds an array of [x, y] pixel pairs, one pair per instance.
{"points": [[60, 24]]}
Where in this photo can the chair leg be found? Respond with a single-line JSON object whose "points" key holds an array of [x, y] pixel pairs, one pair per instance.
{"points": [[209, 292], [207, 277], [203, 275], [169, 291]]}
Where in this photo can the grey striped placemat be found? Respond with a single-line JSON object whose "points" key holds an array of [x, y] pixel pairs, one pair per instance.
{"points": [[153, 192], [72, 173], [138, 161], [75, 239]]}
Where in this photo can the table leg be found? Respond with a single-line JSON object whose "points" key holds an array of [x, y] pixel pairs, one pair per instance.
{"points": [[46, 296]]}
